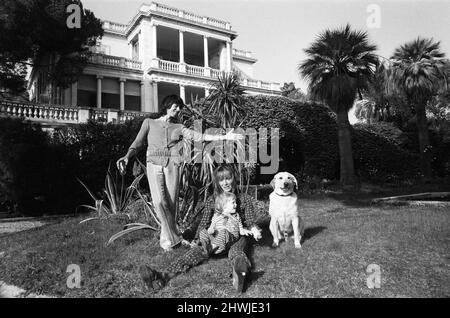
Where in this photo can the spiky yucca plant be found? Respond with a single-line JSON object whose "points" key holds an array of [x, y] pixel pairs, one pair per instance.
{"points": [[223, 108]]}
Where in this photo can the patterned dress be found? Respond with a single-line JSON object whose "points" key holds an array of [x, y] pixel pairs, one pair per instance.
{"points": [[196, 255]]}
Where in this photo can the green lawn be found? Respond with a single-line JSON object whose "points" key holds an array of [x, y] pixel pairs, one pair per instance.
{"points": [[343, 236]]}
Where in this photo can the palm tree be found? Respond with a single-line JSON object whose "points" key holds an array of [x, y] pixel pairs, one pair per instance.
{"points": [[340, 64], [417, 72]]}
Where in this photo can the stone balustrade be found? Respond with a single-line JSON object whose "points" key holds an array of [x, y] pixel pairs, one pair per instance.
{"points": [[242, 53], [60, 115], [114, 26], [208, 72], [164, 9], [116, 61], [195, 70]]}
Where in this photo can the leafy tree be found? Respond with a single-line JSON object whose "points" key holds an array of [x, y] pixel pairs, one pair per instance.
{"points": [[417, 72], [35, 33], [340, 63], [378, 103], [289, 90]]}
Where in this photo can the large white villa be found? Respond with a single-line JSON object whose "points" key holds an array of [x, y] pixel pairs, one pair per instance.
{"points": [[161, 51]]}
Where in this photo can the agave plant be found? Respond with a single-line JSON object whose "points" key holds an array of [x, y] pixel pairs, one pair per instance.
{"points": [[118, 200]]}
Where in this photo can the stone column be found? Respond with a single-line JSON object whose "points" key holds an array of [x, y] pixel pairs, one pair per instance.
{"points": [[182, 63], [154, 41], [183, 93], [205, 50], [181, 40], [73, 94], [142, 96], [229, 67], [206, 56], [122, 93], [155, 107], [99, 91]]}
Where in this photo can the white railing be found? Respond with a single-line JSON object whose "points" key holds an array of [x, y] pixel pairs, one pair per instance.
{"points": [[169, 66], [217, 23], [166, 9], [37, 112], [215, 73], [98, 114], [111, 60], [137, 65], [266, 85], [158, 7], [242, 53], [126, 115], [193, 17], [195, 70], [115, 61], [252, 83], [114, 26], [208, 72], [59, 114]]}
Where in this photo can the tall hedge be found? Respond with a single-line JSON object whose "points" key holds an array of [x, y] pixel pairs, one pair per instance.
{"points": [[309, 141], [96, 147], [308, 133], [378, 154]]}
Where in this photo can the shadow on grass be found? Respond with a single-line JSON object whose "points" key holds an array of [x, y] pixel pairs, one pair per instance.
{"points": [[254, 276], [312, 231]]}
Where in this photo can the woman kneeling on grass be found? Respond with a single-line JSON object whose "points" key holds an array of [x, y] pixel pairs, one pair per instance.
{"points": [[224, 182]]}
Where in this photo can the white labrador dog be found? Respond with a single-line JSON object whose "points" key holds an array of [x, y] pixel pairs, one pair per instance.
{"points": [[284, 209]]}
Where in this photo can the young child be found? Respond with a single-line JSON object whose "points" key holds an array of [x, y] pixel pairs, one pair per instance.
{"points": [[226, 225]]}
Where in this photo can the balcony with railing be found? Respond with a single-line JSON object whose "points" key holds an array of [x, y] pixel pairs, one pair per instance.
{"points": [[186, 15], [206, 72], [114, 27], [242, 53], [116, 61], [159, 8], [61, 115]]}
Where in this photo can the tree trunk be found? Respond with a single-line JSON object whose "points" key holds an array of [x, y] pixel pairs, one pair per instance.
{"points": [[424, 141], [347, 170]]}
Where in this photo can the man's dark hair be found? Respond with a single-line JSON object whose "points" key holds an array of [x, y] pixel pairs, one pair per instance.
{"points": [[168, 101]]}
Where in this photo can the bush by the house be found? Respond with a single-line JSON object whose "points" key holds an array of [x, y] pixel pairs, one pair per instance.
{"points": [[378, 156], [22, 157], [308, 133]]}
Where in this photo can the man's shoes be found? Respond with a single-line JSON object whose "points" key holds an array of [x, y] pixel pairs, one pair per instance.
{"points": [[153, 279], [206, 247], [240, 272]]}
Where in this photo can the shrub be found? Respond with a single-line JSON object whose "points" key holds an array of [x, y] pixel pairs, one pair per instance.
{"points": [[378, 155], [95, 147], [24, 150], [308, 133]]}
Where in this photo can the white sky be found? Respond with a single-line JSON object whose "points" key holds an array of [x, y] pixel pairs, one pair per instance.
{"points": [[278, 31]]}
